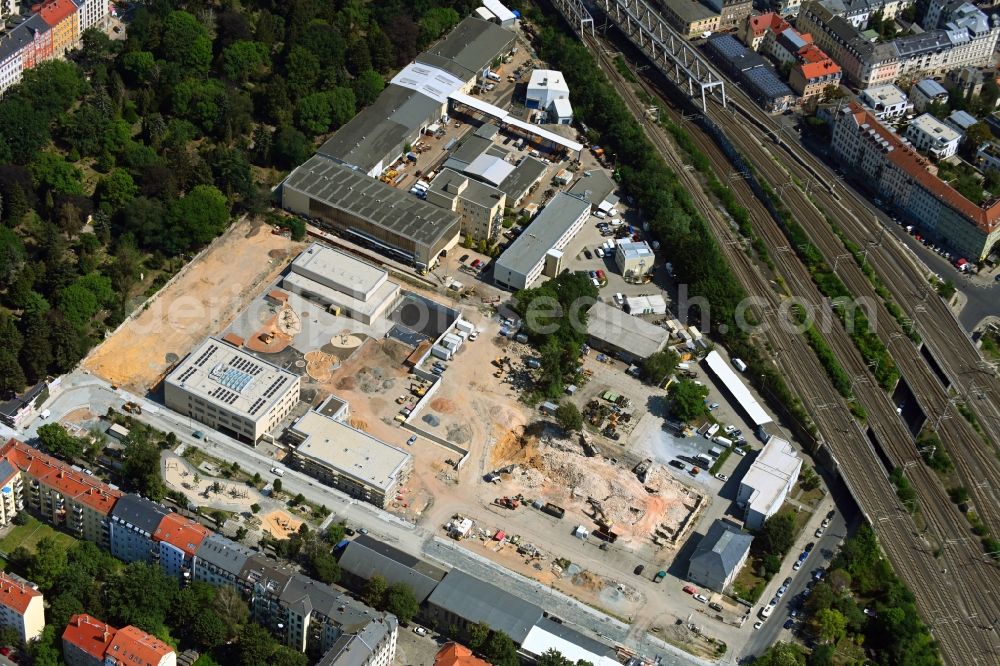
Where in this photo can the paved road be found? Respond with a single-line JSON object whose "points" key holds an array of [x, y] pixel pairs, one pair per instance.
{"points": [[79, 389]]}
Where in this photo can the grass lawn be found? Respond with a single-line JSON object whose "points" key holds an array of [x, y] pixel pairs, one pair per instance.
{"points": [[748, 585], [29, 534]]}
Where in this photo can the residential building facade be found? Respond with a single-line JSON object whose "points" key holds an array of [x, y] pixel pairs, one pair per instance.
{"points": [[85, 640], [134, 520], [766, 484], [481, 205], [21, 607], [927, 92], [64, 19], [900, 176], [178, 540], [930, 135], [90, 642], [887, 102]]}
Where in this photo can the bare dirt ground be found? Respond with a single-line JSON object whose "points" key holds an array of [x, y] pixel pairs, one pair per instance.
{"points": [[205, 490], [202, 301], [280, 524]]}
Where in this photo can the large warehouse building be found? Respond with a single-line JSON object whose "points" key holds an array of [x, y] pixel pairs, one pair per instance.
{"points": [[522, 262], [342, 283], [370, 212], [351, 460], [619, 334], [231, 391]]}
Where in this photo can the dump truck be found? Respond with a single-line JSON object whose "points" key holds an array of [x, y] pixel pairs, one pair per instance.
{"points": [[553, 510], [605, 535]]}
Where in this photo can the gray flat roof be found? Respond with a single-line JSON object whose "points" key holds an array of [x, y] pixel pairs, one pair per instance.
{"points": [[229, 377], [595, 186], [350, 452], [470, 47], [478, 601], [523, 177], [380, 130], [472, 147], [223, 553], [365, 559], [541, 235], [690, 10], [353, 192], [475, 191], [339, 270], [624, 331], [139, 512]]}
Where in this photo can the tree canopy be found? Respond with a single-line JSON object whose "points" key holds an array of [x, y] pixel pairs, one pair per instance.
{"points": [[687, 399]]}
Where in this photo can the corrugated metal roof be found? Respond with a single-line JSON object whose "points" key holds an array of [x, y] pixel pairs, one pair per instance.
{"points": [[365, 557], [478, 601]]}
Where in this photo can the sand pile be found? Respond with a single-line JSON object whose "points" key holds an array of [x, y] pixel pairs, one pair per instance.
{"points": [[443, 405]]}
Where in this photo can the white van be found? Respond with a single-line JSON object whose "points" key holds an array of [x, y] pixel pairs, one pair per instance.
{"points": [[710, 433], [600, 214], [739, 364], [491, 75], [724, 441]]}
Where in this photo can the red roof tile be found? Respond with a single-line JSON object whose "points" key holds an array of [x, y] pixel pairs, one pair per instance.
{"points": [[55, 12], [58, 475], [89, 634], [986, 218], [132, 646], [453, 654], [181, 532], [16, 595]]}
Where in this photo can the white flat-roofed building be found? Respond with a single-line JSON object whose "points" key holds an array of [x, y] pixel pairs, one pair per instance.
{"points": [[342, 282], [734, 384], [765, 486], [886, 101], [653, 304], [346, 458], [634, 259], [504, 16], [544, 87], [522, 263], [926, 92], [231, 391], [931, 136]]}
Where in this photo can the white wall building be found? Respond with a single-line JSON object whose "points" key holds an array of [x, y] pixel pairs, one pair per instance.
{"points": [[887, 102], [544, 87], [924, 93], [93, 13], [765, 486], [930, 135], [231, 390], [21, 607]]}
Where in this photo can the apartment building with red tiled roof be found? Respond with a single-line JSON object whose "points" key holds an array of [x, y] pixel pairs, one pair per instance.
{"points": [[901, 177], [85, 640], [178, 540], [453, 654], [61, 495], [64, 19], [132, 646], [813, 73], [21, 607]]}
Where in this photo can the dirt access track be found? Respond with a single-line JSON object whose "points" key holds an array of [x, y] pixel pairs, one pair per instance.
{"points": [[204, 298]]}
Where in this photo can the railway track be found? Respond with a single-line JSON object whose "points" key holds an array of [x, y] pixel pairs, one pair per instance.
{"points": [[911, 552], [974, 461]]}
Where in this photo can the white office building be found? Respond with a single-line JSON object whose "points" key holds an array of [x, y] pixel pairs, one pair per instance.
{"points": [[766, 484], [887, 102], [930, 135], [544, 87], [231, 390]]}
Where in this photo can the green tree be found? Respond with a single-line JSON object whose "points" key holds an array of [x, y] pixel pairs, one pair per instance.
{"points": [[78, 304], [476, 635], [45, 650], [373, 592], [781, 654], [201, 215], [255, 646], [209, 630], [367, 86], [500, 650], [657, 366], [245, 59], [688, 399], [778, 533], [57, 441], [54, 174], [139, 67], [435, 22], [303, 70], [117, 189], [141, 465], [553, 657], [830, 625], [324, 567], [47, 563], [230, 606], [276, 484], [401, 602], [289, 148], [186, 42], [569, 417], [140, 594]]}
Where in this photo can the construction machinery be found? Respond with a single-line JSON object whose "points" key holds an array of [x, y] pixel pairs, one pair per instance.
{"points": [[389, 175], [132, 408], [507, 502]]}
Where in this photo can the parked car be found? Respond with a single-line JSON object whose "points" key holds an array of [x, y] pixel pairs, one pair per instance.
{"points": [[730, 429], [638, 570], [797, 565], [758, 624], [676, 463], [809, 547], [716, 607], [818, 533], [701, 597], [721, 477], [587, 253], [789, 623], [419, 631], [599, 252], [689, 589], [787, 581]]}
